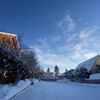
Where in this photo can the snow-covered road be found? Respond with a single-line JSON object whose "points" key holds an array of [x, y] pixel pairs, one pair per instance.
{"points": [[60, 91]]}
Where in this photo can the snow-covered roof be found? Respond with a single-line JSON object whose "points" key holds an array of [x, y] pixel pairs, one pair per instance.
{"points": [[7, 33], [88, 64], [95, 76]]}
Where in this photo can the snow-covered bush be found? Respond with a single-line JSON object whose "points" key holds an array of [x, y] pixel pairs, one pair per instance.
{"points": [[29, 57], [95, 76], [69, 74], [81, 73], [12, 68], [15, 66]]}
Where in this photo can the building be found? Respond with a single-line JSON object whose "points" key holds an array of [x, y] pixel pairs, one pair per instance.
{"points": [[92, 65], [49, 76], [9, 40]]}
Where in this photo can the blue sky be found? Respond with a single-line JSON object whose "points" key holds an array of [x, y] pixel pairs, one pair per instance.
{"points": [[62, 32]]}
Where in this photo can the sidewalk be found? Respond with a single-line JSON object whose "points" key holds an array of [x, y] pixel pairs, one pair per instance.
{"points": [[7, 92]]}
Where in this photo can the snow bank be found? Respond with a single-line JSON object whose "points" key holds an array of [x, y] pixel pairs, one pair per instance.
{"points": [[8, 91], [63, 81], [95, 76], [35, 80]]}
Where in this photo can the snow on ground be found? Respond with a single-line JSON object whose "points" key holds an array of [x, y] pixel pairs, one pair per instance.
{"points": [[7, 91], [95, 76], [60, 90]]}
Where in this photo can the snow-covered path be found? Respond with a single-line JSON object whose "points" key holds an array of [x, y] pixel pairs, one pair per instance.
{"points": [[60, 91]]}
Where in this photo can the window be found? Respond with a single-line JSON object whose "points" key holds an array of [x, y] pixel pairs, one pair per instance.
{"points": [[98, 67]]}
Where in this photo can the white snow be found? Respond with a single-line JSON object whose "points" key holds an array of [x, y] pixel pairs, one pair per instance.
{"points": [[95, 76], [60, 90], [8, 91], [87, 64], [7, 33]]}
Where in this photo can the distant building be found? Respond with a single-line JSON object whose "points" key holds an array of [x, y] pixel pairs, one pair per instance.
{"points": [[69, 74], [49, 76], [92, 65], [9, 40], [61, 76]]}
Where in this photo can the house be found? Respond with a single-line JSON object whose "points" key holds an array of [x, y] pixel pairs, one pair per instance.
{"points": [[49, 76], [69, 74], [61, 76], [92, 65], [9, 40]]}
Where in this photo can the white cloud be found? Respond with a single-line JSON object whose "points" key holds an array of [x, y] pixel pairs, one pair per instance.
{"points": [[50, 59], [67, 24], [72, 37], [44, 43], [89, 55], [46, 57], [56, 38], [84, 48], [69, 49], [86, 32]]}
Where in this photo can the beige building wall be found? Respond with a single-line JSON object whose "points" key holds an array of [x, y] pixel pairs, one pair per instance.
{"points": [[96, 66], [9, 40]]}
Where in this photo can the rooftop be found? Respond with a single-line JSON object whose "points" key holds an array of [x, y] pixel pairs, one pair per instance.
{"points": [[88, 63], [7, 33]]}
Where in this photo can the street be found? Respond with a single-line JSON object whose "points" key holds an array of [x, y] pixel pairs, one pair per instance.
{"points": [[60, 91]]}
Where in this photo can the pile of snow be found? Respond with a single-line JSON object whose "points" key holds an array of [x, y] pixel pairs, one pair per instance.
{"points": [[63, 80], [95, 76], [8, 91], [35, 80]]}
